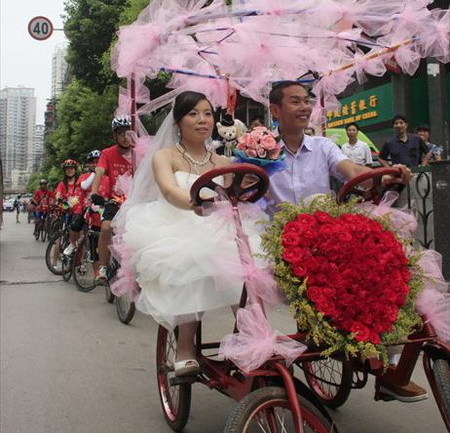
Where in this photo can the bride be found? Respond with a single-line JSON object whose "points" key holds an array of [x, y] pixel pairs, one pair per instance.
{"points": [[174, 252]]}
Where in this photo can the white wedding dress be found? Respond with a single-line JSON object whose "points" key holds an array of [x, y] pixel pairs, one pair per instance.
{"points": [[186, 264]]}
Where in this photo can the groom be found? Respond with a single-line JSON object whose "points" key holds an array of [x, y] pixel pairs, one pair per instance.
{"points": [[309, 163], [309, 160]]}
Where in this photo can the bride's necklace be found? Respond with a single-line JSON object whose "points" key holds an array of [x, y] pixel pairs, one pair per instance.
{"points": [[192, 160]]}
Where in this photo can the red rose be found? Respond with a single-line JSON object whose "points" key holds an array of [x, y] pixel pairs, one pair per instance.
{"points": [[290, 240], [299, 271], [323, 217], [362, 333], [341, 259], [294, 255], [292, 226]]}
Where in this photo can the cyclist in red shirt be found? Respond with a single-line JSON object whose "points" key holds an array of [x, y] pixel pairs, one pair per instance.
{"points": [[116, 163], [82, 191], [65, 191], [42, 199]]}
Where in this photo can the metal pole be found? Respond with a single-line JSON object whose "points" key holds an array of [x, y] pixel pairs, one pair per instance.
{"points": [[133, 117]]}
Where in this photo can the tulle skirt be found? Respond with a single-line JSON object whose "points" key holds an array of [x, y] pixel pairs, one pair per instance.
{"points": [[179, 260]]}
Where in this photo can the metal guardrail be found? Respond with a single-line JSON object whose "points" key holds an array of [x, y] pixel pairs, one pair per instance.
{"points": [[419, 195]]}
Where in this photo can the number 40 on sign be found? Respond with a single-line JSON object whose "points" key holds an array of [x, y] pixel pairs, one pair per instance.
{"points": [[40, 28]]}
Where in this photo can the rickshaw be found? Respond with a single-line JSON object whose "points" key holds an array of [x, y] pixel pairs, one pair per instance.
{"points": [[271, 398]]}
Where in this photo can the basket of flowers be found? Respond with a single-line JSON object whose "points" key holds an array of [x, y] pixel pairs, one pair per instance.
{"points": [[261, 147], [350, 278]]}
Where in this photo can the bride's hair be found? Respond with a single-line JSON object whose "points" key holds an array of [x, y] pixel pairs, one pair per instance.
{"points": [[185, 102]]}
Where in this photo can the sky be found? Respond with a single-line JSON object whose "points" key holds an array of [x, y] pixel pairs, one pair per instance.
{"points": [[24, 60]]}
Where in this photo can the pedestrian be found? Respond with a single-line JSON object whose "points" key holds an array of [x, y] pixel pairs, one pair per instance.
{"points": [[403, 147], [17, 205], [175, 252], [423, 131], [358, 151]]}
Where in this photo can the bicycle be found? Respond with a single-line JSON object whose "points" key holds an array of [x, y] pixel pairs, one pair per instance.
{"points": [[85, 256], [40, 231], [54, 257], [125, 308], [269, 394], [271, 398]]}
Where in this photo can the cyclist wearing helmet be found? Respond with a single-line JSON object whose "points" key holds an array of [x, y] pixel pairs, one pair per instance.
{"points": [[66, 188], [115, 162], [67, 191], [82, 190], [42, 200]]}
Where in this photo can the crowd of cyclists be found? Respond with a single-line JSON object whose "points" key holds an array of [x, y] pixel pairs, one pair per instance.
{"points": [[87, 198]]}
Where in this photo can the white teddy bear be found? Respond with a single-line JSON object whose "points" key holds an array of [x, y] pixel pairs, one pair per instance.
{"points": [[229, 130]]}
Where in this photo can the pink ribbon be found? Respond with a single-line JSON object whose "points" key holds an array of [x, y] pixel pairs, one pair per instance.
{"points": [[257, 342]]}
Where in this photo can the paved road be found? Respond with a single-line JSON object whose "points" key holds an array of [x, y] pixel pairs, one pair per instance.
{"points": [[69, 366]]}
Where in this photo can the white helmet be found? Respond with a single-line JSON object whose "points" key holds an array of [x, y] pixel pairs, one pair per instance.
{"points": [[121, 122], [93, 154]]}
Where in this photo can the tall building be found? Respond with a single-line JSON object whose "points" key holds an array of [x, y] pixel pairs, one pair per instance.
{"points": [[17, 127], [59, 70], [35, 157]]}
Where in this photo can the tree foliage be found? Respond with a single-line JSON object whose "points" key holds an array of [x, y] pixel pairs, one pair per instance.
{"points": [[84, 119], [90, 27]]}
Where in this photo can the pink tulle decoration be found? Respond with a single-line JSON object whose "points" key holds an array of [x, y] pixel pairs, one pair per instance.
{"points": [[257, 42], [141, 145], [402, 221], [142, 96], [124, 283], [257, 342], [123, 184], [258, 277], [365, 66], [434, 300], [436, 37]]}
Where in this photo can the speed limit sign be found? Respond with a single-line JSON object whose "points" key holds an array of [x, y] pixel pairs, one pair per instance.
{"points": [[40, 28]]}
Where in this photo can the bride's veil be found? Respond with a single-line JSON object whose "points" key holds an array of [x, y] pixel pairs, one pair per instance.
{"points": [[144, 188]]}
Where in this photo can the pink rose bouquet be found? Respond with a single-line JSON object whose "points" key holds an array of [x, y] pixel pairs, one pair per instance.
{"points": [[260, 147]]}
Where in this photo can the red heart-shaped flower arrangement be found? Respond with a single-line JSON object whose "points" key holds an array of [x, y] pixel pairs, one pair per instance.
{"points": [[356, 271]]}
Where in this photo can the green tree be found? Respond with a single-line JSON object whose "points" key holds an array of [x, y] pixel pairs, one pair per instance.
{"points": [[83, 119], [90, 27]]}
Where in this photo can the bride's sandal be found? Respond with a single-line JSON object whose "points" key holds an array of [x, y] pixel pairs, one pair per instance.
{"points": [[187, 367]]}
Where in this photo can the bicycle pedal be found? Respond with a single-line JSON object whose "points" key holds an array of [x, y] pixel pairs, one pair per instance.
{"points": [[183, 380]]}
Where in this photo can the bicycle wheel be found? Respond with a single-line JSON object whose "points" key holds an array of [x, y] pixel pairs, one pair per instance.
{"points": [[109, 296], [125, 308], [176, 399], [53, 255], [55, 226], [83, 269], [111, 273], [330, 379], [267, 410], [37, 230], [441, 373], [66, 267], [43, 231]]}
